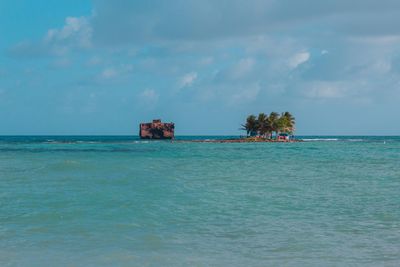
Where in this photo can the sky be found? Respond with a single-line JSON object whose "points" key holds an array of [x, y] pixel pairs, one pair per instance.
{"points": [[79, 67]]}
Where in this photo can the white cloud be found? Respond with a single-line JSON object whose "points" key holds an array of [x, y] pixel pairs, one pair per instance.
{"points": [[298, 59], [218, 20], [238, 71], [75, 34], [75, 29], [326, 90], [245, 95], [95, 60], [109, 73], [381, 67], [112, 72], [188, 79], [242, 68], [384, 40], [149, 96], [206, 61]]}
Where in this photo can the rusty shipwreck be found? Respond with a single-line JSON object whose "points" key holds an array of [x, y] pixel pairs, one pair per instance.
{"points": [[156, 130]]}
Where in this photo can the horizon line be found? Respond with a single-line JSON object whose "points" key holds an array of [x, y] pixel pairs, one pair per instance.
{"points": [[185, 135]]}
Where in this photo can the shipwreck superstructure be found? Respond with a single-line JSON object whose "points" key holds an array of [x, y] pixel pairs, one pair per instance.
{"points": [[157, 130]]}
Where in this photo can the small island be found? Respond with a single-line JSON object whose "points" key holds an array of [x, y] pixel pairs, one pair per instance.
{"points": [[274, 127]]}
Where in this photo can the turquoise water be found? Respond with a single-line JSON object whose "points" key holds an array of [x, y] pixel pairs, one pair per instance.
{"points": [[119, 201]]}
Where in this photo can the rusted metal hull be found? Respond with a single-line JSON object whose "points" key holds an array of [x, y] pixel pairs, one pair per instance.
{"points": [[157, 130]]}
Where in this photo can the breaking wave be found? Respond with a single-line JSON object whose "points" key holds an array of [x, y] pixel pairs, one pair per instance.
{"points": [[320, 139]]}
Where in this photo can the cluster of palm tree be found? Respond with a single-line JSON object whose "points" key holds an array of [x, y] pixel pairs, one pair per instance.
{"points": [[265, 125]]}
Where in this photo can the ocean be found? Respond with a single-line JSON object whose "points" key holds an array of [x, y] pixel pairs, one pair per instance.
{"points": [[121, 201]]}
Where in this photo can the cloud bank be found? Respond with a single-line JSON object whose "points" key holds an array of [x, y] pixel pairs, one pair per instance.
{"points": [[225, 59]]}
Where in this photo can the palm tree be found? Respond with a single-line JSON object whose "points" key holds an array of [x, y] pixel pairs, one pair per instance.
{"points": [[265, 125], [251, 125], [273, 121], [289, 122], [262, 124]]}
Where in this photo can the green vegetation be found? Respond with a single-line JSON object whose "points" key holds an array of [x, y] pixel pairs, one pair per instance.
{"points": [[266, 125]]}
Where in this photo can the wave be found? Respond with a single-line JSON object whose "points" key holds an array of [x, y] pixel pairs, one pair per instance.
{"points": [[52, 142], [334, 139], [76, 150], [320, 139]]}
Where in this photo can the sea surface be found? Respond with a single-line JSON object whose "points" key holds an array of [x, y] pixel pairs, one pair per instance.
{"points": [[120, 201]]}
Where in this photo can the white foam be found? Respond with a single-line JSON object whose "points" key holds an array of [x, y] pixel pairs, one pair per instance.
{"points": [[141, 142], [320, 139]]}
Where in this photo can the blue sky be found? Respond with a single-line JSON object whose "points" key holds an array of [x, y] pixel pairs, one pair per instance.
{"points": [[101, 67]]}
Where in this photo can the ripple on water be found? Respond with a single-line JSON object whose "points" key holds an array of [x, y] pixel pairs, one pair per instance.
{"points": [[178, 204]]}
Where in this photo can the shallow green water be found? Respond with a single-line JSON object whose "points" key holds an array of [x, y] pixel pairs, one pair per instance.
{"points": [[113, 201]]}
